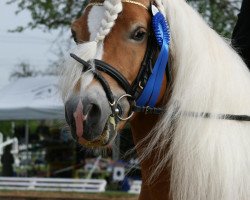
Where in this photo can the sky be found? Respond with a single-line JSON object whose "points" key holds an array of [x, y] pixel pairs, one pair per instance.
{"points": [[32, 46]]}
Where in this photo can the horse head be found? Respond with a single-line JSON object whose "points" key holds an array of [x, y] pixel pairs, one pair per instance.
{"points": [[124, 52]]}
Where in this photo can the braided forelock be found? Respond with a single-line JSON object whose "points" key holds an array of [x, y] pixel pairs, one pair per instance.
{"points": [[112, 9]]}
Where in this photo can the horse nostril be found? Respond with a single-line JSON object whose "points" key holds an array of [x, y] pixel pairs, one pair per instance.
{"points": [[94, 113], [91, 124]]}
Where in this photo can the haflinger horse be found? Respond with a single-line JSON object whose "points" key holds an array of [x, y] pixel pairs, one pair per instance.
{"points": [[189, 117]]}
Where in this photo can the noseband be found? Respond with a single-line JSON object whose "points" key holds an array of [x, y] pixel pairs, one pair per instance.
{"points": [[133, 91]]}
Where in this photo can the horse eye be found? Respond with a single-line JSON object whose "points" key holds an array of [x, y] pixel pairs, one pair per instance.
{"points": [[139, 34]]}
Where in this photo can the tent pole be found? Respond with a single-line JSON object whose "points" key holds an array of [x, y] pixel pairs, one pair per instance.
{"points": [[27, 143]]}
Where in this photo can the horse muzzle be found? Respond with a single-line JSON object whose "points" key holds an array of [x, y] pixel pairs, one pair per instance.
{"points": [[90, 119]]}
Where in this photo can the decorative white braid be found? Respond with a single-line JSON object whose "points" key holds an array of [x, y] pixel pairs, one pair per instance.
{"points": [[112, 9]]}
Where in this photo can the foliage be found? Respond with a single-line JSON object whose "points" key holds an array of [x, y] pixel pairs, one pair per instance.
{"points": [[7, 129], [220, 14], [23, 69], [49, 15]]}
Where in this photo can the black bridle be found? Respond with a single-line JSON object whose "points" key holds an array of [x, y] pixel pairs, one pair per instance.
{"points": [[133, 90]]}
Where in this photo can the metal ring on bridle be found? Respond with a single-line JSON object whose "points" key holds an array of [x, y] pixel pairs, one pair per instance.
{"points": [[132, 112]]}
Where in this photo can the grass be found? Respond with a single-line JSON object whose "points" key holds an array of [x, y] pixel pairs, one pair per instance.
{"points": [[44, 195]]}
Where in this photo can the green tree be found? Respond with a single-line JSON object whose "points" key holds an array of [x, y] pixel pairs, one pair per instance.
{"points": [[48, 14], [220, 14], [54, 14]]}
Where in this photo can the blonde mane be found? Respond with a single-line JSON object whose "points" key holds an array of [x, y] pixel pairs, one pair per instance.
{"points": [[210, 158]]}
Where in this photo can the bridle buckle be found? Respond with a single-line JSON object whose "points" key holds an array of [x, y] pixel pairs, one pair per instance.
{"points": [[147, 109]]}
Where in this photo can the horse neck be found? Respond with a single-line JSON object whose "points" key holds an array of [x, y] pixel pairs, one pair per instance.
{"points": [[141, 126], [145, 121]]}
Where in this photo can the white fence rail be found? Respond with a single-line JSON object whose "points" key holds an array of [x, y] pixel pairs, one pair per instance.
{"points": [[135, 187], [52, 184]]}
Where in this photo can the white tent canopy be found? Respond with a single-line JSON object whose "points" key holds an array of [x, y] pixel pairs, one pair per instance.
{"points": [[32, 98]]}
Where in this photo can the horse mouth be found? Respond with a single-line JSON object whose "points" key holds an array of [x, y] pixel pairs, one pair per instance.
{"points": [[105, 138]]}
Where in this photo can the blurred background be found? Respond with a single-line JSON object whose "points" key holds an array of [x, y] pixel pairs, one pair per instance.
{"points": [[34, 139]]}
